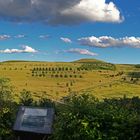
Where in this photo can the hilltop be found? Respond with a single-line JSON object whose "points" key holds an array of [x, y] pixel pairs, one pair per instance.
{"points": [[89, 61]]}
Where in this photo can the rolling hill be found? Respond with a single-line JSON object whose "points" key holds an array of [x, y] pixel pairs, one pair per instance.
{"points": [[57, 79]]}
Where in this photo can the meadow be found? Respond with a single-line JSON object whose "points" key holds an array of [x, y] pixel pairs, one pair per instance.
{"points": [[57, 79]]}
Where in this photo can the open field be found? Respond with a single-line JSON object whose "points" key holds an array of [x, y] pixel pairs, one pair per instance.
{"points": [[57, 79]]}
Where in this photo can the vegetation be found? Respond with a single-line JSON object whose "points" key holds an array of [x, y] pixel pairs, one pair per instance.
{"points": [[7, 109], [134, 74], [97, 66], [137, 66], [78, 116], [84, 117]]}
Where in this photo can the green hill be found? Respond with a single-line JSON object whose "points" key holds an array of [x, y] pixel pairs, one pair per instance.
{"points": [[88, 61]]}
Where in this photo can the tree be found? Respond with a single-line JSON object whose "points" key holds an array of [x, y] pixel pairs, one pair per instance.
{"points": [[67, 84], [71, 83], [65, 76]]}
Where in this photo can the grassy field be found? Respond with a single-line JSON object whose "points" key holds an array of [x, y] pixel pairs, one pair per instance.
{"points": [[57, 79]]}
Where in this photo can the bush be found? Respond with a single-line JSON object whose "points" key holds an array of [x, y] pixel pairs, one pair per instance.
{"points": [[25, 98], [83, 117], [8, 109]]}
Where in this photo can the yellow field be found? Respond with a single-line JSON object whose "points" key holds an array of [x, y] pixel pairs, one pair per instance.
{"points": [[55, 80]]}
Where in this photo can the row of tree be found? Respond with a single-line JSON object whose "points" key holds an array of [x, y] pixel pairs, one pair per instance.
{"points": [[52, 69], [58, 76]]}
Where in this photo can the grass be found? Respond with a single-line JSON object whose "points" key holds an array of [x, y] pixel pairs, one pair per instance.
{"points": [[101, 83]]}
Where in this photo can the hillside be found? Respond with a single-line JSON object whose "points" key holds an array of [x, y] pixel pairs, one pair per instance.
{"points": [[57, 79], [88, 61]]}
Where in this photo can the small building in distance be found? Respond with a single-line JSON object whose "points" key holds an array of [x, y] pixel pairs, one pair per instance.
{"points": [[34, 123]]}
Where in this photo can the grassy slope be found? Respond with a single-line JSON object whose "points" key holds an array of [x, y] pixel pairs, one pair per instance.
{"points": [[98, 82], [88, 61]]}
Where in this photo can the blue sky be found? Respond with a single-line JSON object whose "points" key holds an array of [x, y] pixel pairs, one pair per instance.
{"points": [[110, 33]]}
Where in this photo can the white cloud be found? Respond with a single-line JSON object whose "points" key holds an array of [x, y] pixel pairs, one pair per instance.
{"points": [[59, 11], [26, 49], [44, 36], [94, 10], [81, 51], [5, 37], [107, 41], [20, 36], [66, 40]]}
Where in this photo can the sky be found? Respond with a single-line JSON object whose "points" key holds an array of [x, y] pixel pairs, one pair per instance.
{"points": [[64, 30]]}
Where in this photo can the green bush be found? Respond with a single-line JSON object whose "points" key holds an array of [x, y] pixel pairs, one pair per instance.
{"points": [[8, 110], [83, 117]]}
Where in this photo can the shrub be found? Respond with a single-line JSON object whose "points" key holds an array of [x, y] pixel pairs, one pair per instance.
{"points": [[25, 98], [83, 117]]}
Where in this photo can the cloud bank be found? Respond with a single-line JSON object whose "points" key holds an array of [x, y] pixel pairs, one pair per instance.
{"points": [[58, 12], [81, 51], [107, 41], [26, 49]]}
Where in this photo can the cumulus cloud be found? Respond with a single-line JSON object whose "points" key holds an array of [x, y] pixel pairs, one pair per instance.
{"points": [[5, 37], [107, 41], [59, 11], [26, 49], [66, 40], [81, 51]]}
